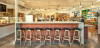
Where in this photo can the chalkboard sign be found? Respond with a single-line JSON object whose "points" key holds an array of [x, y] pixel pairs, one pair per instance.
{"points": [[2, 8]]}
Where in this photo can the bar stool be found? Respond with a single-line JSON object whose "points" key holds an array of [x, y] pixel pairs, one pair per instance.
{"points": [[39, 34], [57, 35], [28, 35], [32, 29], [19, 35], [48, 35], [66, 34], [77, 37], [23, 32]]}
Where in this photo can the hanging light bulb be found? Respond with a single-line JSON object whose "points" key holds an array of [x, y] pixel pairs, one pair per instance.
{"points": [[57, 9], [80, 5], [39, 9], [92, 5], [62, 9], [73, 8], [69, 10], [82, 8]]}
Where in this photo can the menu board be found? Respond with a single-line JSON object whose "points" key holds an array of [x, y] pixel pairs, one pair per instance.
{"points": [[29, 18], [2, 8]]}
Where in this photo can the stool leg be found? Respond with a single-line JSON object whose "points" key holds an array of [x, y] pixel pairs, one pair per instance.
{"points": [[59, 37], [80, 41], [69, 38], [54, 40], [54, 37], [69, 42], [40, 39], [30, 38], [25, 41], [79, 37], [50, 37], [59, 41], [63, 37], [26, 37], [17, 35], [24, 34], [20, 38], [45, 40], [73, 37], [40, 36]]}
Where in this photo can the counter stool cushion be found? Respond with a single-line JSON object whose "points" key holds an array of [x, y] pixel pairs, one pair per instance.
{"points": [[18, 28], [76, 29], [57, 28], [22, 28], [66, 28], [48, 29], [32, 28], [28, 28], [38, 28]]}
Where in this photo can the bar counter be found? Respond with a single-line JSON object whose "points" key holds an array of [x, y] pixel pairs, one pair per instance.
{"points": [[59, 24]]}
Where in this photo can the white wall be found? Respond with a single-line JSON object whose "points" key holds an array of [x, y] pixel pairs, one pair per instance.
{"points": [[4, 31]]}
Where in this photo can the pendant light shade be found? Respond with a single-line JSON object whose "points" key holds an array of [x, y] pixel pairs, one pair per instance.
{"points": [[80, 5], [92, 5]]}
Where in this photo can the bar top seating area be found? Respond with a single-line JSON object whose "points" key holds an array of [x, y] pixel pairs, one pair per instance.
{"points": [[53, 23], [51, 33]]}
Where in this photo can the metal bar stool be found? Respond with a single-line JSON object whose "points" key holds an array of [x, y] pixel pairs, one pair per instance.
{"points": [[28, 35], [77, 37], [39, 34], [19, 35], [57, 35], [48, 35], [66, 35]]}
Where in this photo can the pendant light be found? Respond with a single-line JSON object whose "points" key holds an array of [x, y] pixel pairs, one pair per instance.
{"points": [[73, 8], [80, 5], [57, 9], [62, 9], [92, 5], [69, 10], [39, 9]]}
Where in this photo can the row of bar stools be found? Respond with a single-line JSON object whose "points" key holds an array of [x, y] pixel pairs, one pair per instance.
{"points": [[48, 35]]}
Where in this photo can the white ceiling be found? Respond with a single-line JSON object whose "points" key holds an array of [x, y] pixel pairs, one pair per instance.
{"points": [[53, 4]]}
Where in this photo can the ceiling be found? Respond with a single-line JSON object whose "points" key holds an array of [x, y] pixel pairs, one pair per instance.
{"points": [[52, 4]]}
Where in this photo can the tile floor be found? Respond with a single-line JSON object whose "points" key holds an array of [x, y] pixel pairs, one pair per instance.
{"points": [[93, 42]]}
